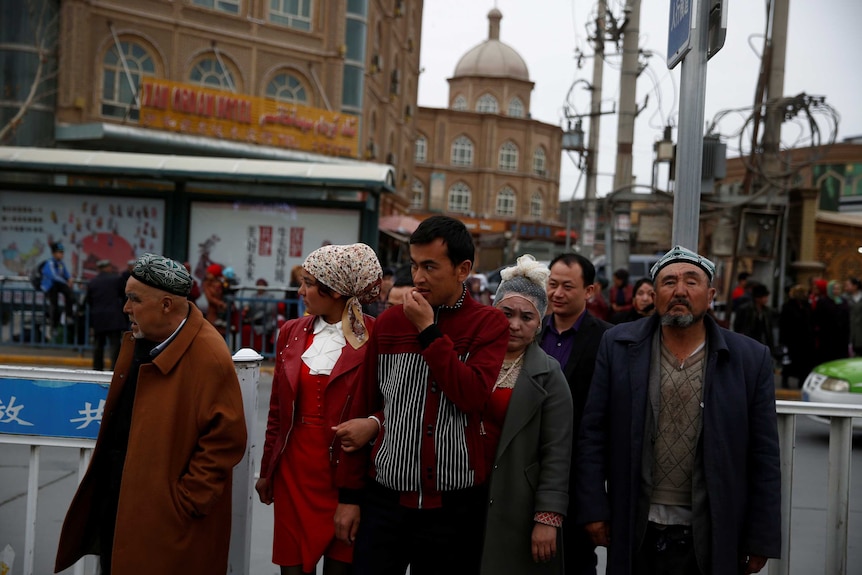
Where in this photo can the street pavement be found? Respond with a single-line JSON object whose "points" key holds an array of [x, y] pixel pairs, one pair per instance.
{"points": [[58, 479]]}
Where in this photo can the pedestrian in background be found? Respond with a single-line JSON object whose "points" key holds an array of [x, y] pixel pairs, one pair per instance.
{"points": [[213, 288], [678, 463], [376, 307], [597, 305], [620, 296], [755, 318], [853, 291], [796, 334], [643, 301], [528, 436], [156, 497], [105, 299], [831, 323], [56, 280], [318, 365]]}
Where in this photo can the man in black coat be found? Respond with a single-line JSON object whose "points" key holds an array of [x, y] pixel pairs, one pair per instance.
{"points": [[571, 335], [105, 298]]}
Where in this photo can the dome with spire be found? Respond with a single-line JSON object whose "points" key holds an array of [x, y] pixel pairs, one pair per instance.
{"points": [[493, 58]]}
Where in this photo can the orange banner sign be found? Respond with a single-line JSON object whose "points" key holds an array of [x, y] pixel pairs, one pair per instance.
{"points": [[199, 111]]}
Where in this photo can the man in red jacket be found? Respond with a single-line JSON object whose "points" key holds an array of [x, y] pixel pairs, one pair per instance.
{"points": [[431, 365]]}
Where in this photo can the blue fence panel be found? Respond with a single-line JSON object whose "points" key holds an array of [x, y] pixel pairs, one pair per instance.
{"points": [[51, 408]]}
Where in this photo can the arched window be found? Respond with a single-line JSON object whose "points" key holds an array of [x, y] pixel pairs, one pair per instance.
{"points": [[459, 198], [506, 202], [293, 13], [516, 108], [210, 72], [420, 150], [539, 162], [536, 205], [417, 201], [462, 152], [508, 159], [286, 87], [119, 89], [460, 104], [487, 104]]}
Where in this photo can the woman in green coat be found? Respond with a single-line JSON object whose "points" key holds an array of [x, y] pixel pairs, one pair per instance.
{"points": [[528, 431]]}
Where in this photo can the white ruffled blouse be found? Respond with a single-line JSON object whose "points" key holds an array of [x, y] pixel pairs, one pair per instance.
{"points": [[325, 350]]}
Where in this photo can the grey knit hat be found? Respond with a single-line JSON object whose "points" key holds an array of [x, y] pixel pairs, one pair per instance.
{"points": [[528, 279]]}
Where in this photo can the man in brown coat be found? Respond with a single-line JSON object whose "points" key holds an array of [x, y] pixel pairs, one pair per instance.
{"points": [[157, 495]]}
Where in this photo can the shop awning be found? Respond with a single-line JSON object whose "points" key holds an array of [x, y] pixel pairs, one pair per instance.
{"points": [[378, 177]]}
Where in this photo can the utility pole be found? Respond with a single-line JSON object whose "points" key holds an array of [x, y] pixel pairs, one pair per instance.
{"points": [[619, 252], [628, 94], [775, 90], [588, 229]]}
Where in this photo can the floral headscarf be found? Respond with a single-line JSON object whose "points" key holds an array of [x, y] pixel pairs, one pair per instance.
{"points": [[354, 272]]}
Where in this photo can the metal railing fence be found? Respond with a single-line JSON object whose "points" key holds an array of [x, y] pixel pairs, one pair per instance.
{"points": [[247, 364], [251, 320], [838, 495]]}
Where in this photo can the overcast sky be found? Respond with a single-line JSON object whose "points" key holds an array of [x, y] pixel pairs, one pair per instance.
{"points": [[823, 53]]}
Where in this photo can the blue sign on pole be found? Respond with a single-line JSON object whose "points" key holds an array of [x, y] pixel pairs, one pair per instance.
{"points": [[679, 31]]}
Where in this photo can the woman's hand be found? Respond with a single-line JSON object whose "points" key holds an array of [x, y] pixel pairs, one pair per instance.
{"points": [[264, 490], [355, 434], [544, 542], [346, 522]]}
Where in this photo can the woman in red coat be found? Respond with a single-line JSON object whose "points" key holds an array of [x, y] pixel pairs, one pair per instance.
{"points": [[318, 365]]}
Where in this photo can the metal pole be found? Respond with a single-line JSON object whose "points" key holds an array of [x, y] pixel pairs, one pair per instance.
{"points": [[588, 229], [838, 498], [247, 365], [787, 441], [686, 205]]}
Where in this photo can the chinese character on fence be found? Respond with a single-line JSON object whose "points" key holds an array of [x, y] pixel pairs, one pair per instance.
{"points": [[9, 412], [89, 415]]}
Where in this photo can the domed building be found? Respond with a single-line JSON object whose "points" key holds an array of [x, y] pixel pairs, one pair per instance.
{"points": [[486, 161]]}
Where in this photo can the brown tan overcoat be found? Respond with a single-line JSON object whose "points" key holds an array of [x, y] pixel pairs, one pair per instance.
{"points": [[188, 432]]}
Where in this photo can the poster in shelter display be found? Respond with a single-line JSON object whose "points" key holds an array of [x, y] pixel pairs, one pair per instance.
{"points": [[263, 240], [90, 227]]}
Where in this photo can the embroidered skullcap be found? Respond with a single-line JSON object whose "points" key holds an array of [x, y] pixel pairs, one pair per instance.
{"points": [[527, 279], [163, 273], [57, 247], [680, 254], [354, 272]]}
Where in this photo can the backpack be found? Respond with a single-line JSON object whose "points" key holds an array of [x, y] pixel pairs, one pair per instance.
{"points": [[36, 275]]}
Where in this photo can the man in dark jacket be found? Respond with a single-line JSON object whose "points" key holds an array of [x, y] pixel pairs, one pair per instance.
{"points": [[571, 336], [105, 299], [678, 462]]}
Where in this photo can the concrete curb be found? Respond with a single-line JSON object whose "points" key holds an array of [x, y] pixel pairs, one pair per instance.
{"points": [[47, 360]]}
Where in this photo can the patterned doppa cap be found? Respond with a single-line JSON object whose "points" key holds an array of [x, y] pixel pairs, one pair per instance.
{"points": [[680, 254], [163, 273]]}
